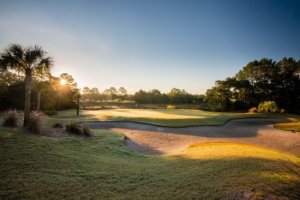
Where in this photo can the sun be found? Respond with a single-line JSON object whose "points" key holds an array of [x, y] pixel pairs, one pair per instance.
{"points": [[63, 81]]}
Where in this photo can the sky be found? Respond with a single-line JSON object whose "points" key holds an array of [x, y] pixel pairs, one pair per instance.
{"points": [[147, 44]]}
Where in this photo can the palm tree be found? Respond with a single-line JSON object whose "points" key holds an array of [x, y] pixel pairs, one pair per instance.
{"points": [[27, 60]]}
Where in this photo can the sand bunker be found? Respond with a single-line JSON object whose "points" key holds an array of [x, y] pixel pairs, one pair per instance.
{"points": [[156, 140]]}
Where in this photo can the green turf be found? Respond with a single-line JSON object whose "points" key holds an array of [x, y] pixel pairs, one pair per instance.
{"points": [[164, 117], [38, 167], [292, 126]]}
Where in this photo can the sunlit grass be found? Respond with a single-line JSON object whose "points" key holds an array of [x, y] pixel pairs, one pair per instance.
{"points": [[292, 126], [164, 117], [37, 167]]}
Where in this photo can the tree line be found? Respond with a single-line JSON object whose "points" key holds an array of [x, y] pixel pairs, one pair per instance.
{"points": [[175, 96], [258, 81], [27, 84]]}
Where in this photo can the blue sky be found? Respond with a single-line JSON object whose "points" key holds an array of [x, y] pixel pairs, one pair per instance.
{"points": [[155, 43]]}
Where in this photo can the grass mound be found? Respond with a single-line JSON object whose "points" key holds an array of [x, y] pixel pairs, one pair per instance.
{"points": [[37, 167]]}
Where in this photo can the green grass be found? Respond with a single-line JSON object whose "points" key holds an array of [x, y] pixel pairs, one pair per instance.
{"points": [[163, 117], [292, 126], [38, 167]]}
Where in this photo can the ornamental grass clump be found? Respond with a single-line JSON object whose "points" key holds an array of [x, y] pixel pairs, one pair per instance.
{"points": [[76, 129], [12, 118], [36, 122]]}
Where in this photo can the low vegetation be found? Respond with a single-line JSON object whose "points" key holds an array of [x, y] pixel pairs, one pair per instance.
{"points": [[36, 122], [77, 129], [11, 118]]}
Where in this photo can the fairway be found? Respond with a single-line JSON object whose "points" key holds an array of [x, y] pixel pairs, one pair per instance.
{"points": [[38, 167], [163, 117]]}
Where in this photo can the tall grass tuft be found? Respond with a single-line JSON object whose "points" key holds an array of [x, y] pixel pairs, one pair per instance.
{"points": [[36, 122], [76, 129], [11, 118]]}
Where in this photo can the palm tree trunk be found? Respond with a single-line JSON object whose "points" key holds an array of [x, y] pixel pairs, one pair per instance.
{"points": [[28, 85], [38, 101]]}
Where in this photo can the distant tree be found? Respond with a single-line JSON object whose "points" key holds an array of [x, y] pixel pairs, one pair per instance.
{"points": [[27, 60], [111, 93], [122, 93]]}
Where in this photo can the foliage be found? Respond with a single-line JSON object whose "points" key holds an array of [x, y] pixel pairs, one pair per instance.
{"points": [[171, 107], [36, 122], [77, 129], [260, 80], [268, 106], [28, 61], [54, 96], [11, 118]]}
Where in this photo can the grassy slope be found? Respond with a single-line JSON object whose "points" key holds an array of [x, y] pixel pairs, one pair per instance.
{"points": [[101, 167]]}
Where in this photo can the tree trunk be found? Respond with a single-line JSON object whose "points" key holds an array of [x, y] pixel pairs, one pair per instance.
{"points": [[28, 85], [38, 101]]}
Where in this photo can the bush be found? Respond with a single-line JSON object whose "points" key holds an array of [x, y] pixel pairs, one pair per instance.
{"points": [[268, 106], [171, 107], [282, 111], [11, 119], [57, 125], [76, 129], [50, 112], [36, 122], [252, 110]]}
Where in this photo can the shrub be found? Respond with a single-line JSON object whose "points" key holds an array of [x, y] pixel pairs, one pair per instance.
{"points": [[57, 125], [76, 129], [11, 119], [171, 107], [252, 110], [268, 106], [50, 112], [36, 122], [282, 110]]}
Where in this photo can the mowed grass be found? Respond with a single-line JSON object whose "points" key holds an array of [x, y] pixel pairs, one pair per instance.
{"points": [[38, 167], [292, 126], [163, 117]]}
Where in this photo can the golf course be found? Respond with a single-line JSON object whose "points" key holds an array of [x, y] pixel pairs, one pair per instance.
{"points": [[192, 163], [149, 100]]}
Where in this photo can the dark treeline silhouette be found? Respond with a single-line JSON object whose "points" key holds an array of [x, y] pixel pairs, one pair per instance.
{"points": [[260, 80], [47, 92], [175, 96]]}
